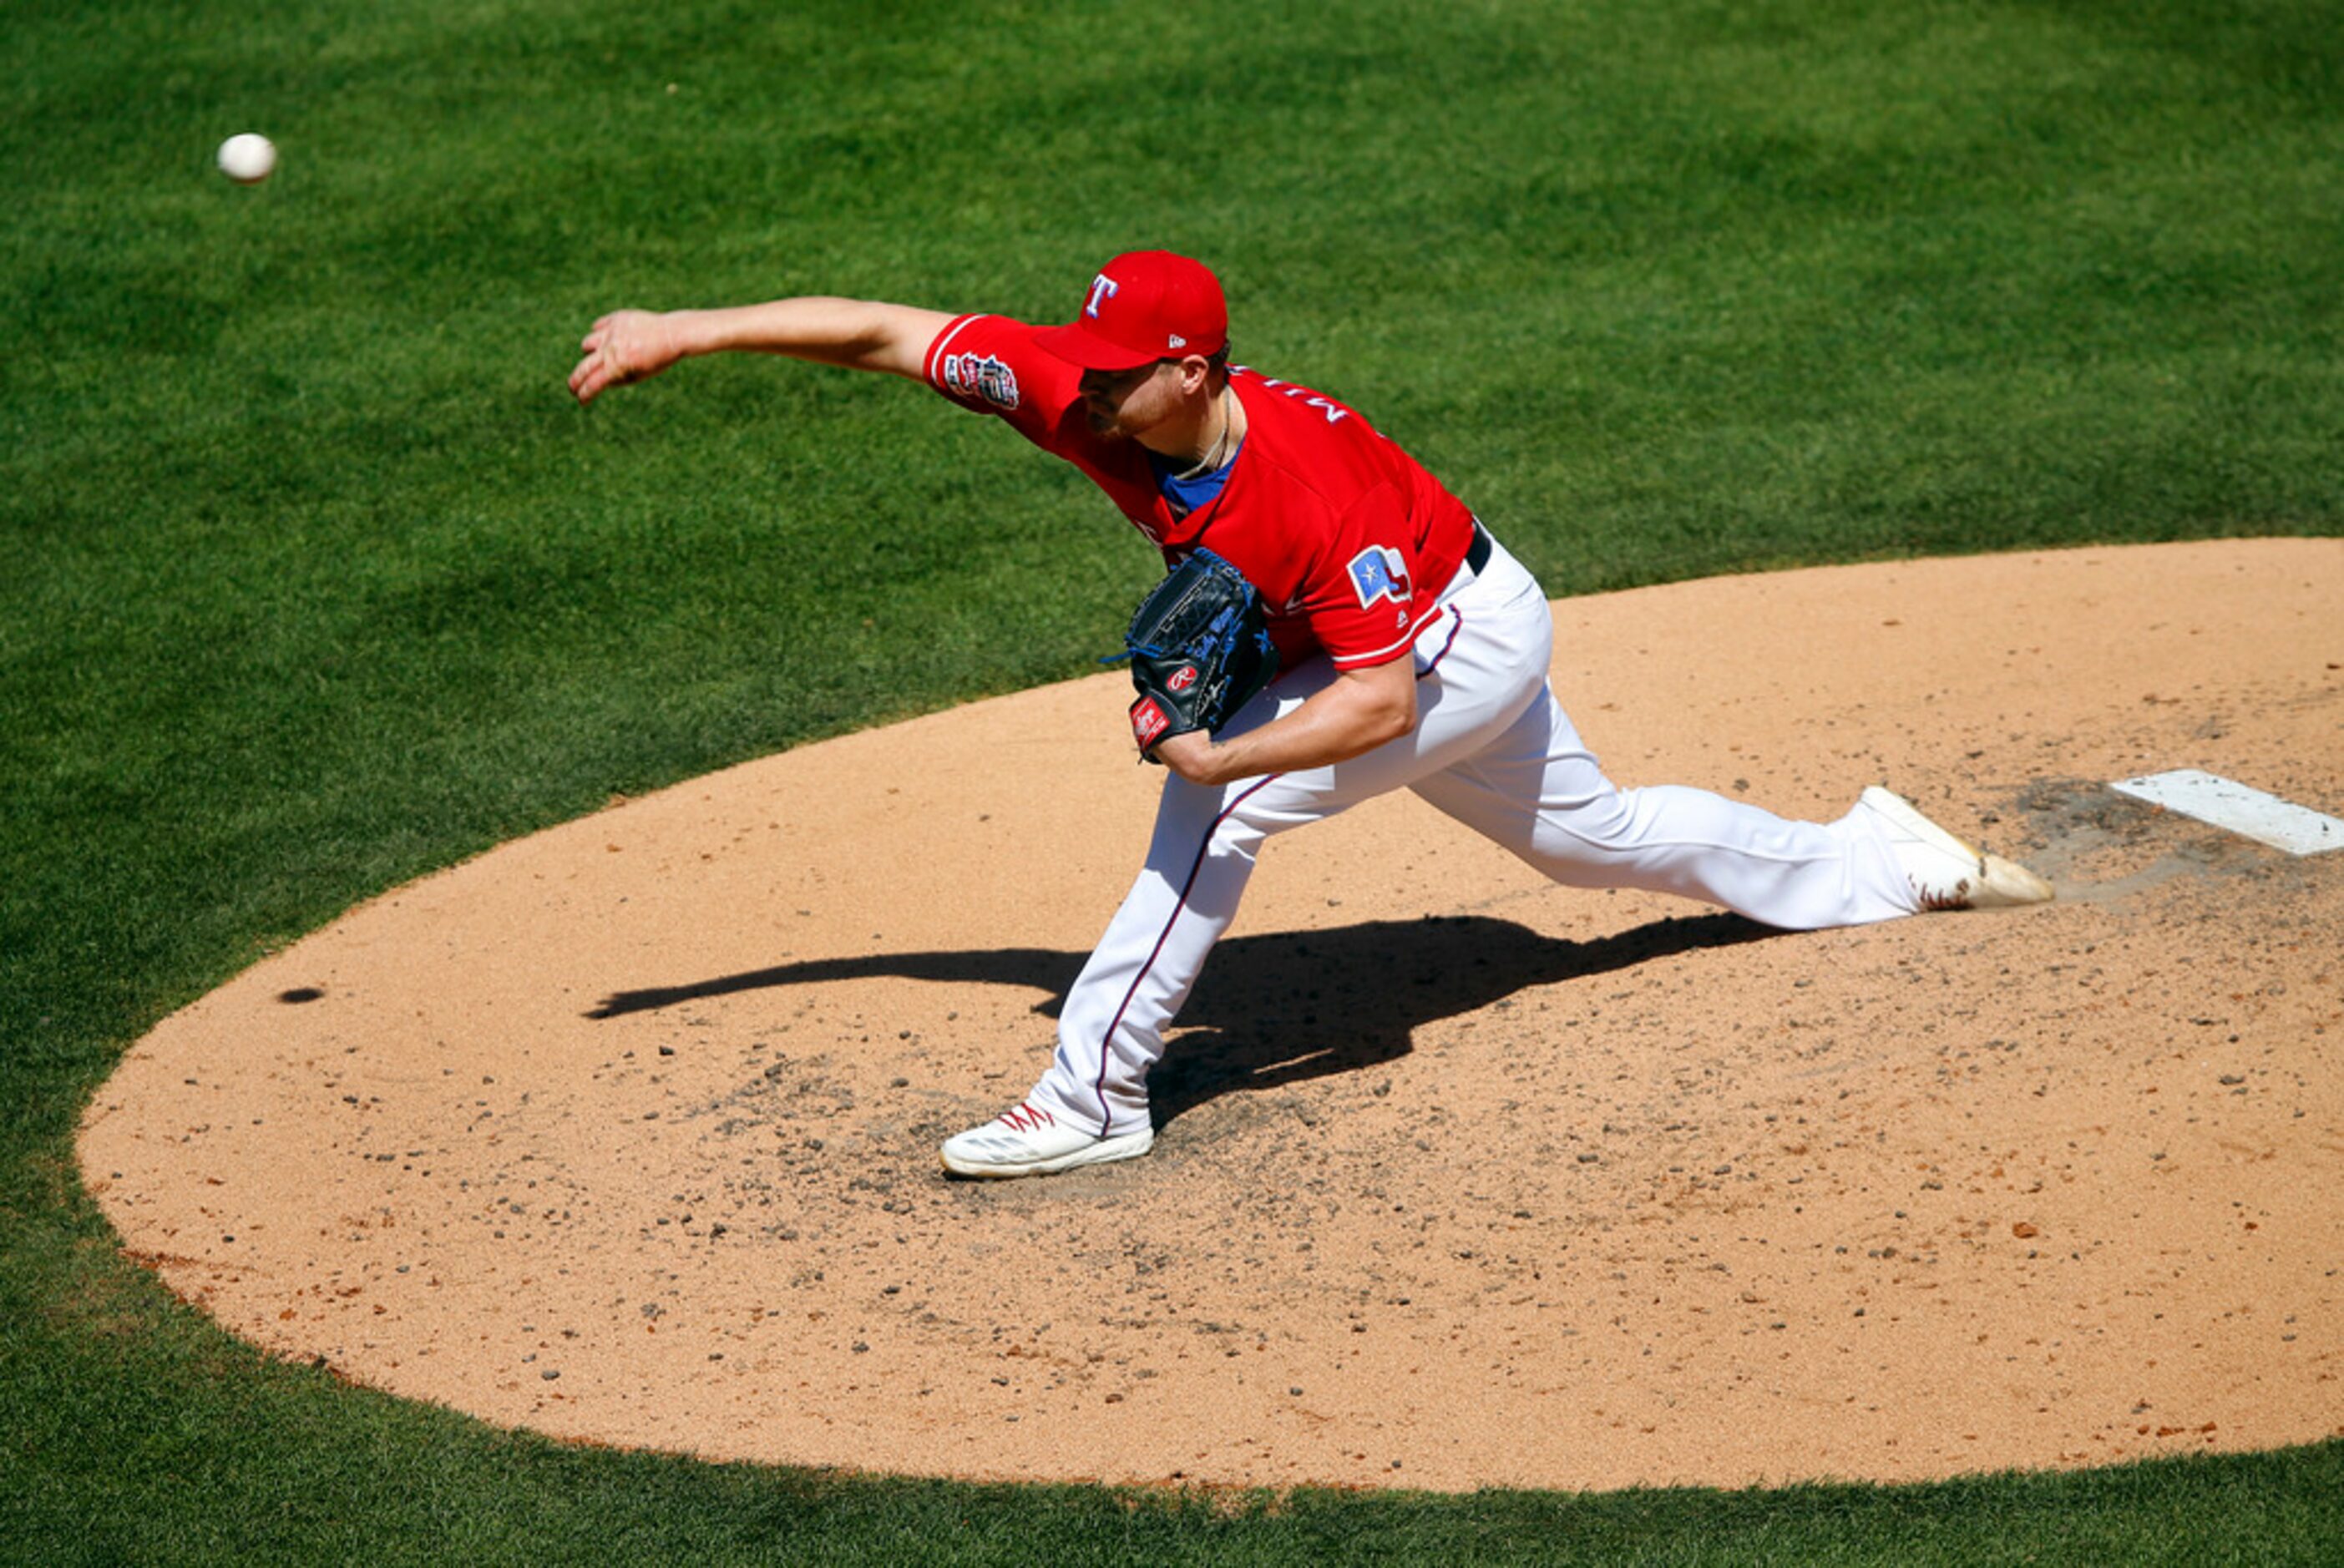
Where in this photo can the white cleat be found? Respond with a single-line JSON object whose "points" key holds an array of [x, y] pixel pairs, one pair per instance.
{"points": [[1023, 1141], [1945, 872]]}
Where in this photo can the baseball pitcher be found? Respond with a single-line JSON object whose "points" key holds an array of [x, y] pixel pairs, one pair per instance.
{"points": [[1349, 628]]}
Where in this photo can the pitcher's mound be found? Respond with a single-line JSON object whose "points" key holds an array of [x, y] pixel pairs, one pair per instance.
{"points": [[627, 1132]]}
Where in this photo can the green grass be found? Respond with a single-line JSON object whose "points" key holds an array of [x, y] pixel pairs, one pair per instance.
{"points": [[316, 582]]}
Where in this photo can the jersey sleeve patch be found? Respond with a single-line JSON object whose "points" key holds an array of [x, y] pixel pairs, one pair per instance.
{"points": [[1379, 572], [979, 376]]}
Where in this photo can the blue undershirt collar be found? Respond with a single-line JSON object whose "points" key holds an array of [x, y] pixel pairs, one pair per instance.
{"points": [[1196, 491]]}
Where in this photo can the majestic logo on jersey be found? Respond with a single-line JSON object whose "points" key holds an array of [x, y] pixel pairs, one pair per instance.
{"points": [[981, 376], [1149, 722], [1379, 572], [1102, 288], [1181, 679]]}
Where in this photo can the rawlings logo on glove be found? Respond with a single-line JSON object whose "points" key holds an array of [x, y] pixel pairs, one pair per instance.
{"points": [[1198, 649]]}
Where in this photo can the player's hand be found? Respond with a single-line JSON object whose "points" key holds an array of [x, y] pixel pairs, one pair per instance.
{"points": [[624, 346], [1189, 753]]}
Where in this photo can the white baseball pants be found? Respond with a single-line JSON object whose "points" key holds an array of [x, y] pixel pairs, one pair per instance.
{"points": [[1493, 749]]}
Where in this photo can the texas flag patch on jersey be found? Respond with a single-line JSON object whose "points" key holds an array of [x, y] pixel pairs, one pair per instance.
{"points": [[1379, 572]]}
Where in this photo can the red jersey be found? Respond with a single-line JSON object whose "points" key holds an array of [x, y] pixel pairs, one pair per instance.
{"points": [[1348, 537]]}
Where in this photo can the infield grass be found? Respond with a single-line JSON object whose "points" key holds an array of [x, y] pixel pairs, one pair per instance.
{"points": [[316, 582]]}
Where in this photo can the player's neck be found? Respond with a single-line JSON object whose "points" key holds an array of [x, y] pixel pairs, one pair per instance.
{"points": [[1209, 440]]}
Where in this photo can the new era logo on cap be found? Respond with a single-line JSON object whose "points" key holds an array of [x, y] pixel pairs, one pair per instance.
{"points": [[1144, 306]]}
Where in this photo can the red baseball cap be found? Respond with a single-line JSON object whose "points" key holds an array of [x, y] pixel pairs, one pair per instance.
{"points": [[1144, 306]]}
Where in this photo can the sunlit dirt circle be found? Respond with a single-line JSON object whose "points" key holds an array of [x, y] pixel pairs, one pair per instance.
{"points": [[627, 1131]]}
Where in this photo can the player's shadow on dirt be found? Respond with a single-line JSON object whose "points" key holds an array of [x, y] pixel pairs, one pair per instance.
{"points": [[1284, 1007]]}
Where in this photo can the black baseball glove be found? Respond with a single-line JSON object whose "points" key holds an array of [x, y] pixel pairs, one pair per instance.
{"points": [[1198, 649]]}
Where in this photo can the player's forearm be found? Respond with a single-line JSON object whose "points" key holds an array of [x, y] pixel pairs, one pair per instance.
{"points": [[627, 346], [858, 334], [1350, 716]]}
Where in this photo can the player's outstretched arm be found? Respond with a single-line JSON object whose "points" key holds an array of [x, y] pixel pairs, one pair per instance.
{"points": [[858, 334]]}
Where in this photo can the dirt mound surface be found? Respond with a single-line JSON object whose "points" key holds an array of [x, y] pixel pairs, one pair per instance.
{"points": [[627, 1131]]}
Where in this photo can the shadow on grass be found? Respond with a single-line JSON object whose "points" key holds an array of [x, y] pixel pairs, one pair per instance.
{"points": [[1284, 1007]]}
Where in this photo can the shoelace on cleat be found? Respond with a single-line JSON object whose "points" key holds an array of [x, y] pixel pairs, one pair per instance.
{"points": [[1958, 899], [1025, 1118]]}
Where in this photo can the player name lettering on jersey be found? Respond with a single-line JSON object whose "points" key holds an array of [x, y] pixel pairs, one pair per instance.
{"points": [[981, 376], [1332, 410]]}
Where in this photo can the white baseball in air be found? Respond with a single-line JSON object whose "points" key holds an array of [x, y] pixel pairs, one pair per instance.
{"points": [[247, 159]]}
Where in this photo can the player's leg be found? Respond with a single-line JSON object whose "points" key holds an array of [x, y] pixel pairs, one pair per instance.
{"points": [[1537, 791], [1202, 854], [1535, 788], [1476, 672], [1091, 1105]]}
